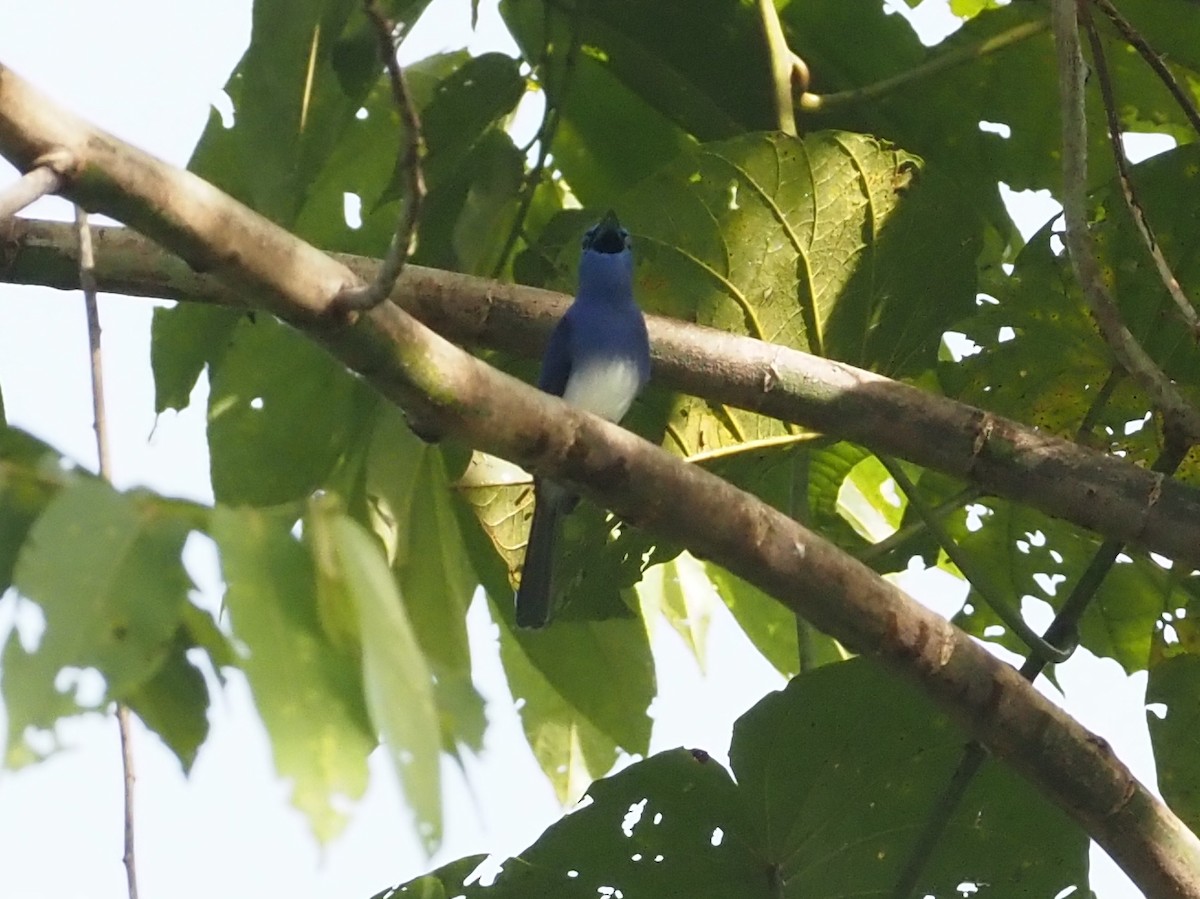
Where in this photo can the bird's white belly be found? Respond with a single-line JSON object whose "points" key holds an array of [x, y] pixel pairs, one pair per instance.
{"points": [[604, 387]]}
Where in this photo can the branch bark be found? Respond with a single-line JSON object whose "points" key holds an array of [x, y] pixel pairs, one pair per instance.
{"points": [[1110, 496], [426, 375]]}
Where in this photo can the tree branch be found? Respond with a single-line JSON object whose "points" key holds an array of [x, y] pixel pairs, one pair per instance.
{"points": [[357, 298], [1154, 60], [423, 373], [31, 186], [1128, 192], [1102, 493], [1178, 412]]}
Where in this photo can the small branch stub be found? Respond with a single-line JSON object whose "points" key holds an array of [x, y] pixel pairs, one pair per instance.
{"points": [[362, 297]]}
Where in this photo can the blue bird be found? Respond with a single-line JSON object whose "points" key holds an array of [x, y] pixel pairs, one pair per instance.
{"points": [[598, 359]]}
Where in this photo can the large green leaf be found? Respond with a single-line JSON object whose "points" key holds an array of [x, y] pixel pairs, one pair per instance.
{"points": [[839, 772], [831, 244], [1038, 313], [308, 692], [1026, 553], [608, 137], [397, 680], [1175, 731], [281, 413], [584, 688], [105, 571], [836, 775], [412, 509]]}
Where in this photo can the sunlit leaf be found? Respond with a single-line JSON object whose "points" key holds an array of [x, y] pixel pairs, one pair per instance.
{"points": [[309, 693], [397, 680]]}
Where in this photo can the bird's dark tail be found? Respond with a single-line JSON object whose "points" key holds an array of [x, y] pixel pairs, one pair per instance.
{"points": [[537, 573]]}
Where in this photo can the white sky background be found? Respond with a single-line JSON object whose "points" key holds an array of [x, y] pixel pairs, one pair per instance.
{"points": [[148, 71]]}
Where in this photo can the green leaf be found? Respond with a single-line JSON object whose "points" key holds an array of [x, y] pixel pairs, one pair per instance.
{"points": [[183, 340], [174, 704], [281, 412], [770, 626], [669, 826], [32, 704], [30, 477], [835, 777], [397, 679], [1175, 732], [307, 71], [598, 557], [408, 484], [681, 592], [573, 723], [1026, 553], [826, 244], [105, 571], [608, 137], [309, 693], [866, 758]]}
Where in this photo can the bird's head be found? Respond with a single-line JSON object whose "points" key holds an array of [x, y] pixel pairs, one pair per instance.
{"points": [[606, 266]]}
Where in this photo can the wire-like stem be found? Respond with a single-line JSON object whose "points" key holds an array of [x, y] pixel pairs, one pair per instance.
{"points": [[127, 857], [1179, 413], [1099, 62], [973, 757], [1092, 417], [815, 102], [362, 297], [979, 579], [87, 282], [544, 138], [906, 533], [1062, 633], [31, 186], [1154, 60]]}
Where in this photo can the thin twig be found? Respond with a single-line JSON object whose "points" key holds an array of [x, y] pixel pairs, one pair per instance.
{"points": [[815, 102], [1128, 352], [1154, 60], [1092, 417], [123, 726], [976, 575], [544, 138], [87, 282], [31, 186], [877, 550], [1136, 211], [363, 297], [1062, 633]]}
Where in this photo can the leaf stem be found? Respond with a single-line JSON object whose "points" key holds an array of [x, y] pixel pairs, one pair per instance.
{"points": [[810, 102], [87, 283], [362, 297], [976, 575], [1179, 413], [1186, 311]]}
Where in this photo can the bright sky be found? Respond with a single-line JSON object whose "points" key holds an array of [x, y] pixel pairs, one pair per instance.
{"points": [[148, 71]]}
